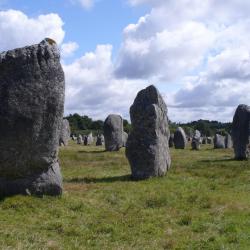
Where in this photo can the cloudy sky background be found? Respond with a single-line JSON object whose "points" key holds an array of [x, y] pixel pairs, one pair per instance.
{"points": [[196, 52]]}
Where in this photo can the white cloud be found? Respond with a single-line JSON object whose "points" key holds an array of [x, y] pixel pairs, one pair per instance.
{"points": [[86, 4], [204, 45], [68, 49], [92, 88], [165, 54], [18, 30]]}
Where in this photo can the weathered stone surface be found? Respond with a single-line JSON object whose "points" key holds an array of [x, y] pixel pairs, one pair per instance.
{"points": [[241, 132], [79, 139], [180, 140], [113, 129], [31, 113], [171, 140], [196, 140], [147, 145], [88, 139], [100, 140], [228, 141], [219, 141], [65, 133], [124, 138]]}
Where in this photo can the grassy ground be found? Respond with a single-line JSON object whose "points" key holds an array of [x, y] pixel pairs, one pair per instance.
{"points": [[202, 203]]}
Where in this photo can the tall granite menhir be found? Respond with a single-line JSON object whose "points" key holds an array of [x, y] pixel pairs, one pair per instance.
{"points": [[31, 113], [113, 131], [241, 132], [147, 146]]}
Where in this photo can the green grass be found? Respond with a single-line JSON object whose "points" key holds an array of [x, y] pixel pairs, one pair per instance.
{"points": [[202, 203]]}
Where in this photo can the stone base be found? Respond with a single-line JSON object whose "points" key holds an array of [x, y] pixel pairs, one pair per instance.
{"points": [[45, 183]]}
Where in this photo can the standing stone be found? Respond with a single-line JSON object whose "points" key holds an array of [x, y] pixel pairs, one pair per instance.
{"points": [[100, 140], [31, 113], [219, 141], [241, 132], [147, 146], [113, 129], [79, 139], [180, 140], [196, 140], [171, 140], [124, 138], [88, 139], [65, 133], [228, 141]]}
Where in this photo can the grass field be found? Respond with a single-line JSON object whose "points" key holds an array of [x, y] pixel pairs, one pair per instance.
{"points": [[202, 203]]}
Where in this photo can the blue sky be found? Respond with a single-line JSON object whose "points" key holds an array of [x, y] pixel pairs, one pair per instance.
{"points": [[197, 53], [102, 24]]}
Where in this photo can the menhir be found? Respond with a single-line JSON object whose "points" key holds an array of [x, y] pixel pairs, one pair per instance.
{"points": [[31, 113], [147, 146]]}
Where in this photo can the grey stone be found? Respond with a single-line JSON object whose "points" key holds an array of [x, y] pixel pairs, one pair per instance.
{"points": [[180, 140], [219, 141], [73, 137], [228, 141], [241, 131], [31, 112], [147, 145], [65, 133], [113, 129], [79, 139], [88, 139], [196, 140], [100, 140], [171, 140], [124, 138]]}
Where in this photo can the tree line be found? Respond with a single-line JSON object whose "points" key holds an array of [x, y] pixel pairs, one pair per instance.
{"points": [[84, 123], [207, 128]]}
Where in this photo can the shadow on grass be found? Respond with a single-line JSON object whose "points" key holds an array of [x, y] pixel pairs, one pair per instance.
{"points": [[100, 180], [92, 152]]}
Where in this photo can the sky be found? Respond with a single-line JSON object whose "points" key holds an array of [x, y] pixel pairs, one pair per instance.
{"points": [[197, 53]]}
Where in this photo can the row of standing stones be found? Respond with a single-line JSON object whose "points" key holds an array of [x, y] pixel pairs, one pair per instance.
{"points": [[32, 89]]}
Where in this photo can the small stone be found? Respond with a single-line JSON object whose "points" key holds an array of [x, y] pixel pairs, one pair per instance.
{"points": [[180, 139], [113, 130]]}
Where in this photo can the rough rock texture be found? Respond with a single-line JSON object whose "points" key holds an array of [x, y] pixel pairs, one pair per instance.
{"points": [[124, 139], [79, 139], [88, 139], [219, 141], [228, 141], [65, 133], [196, 140], [113, 129], [100, 140], [241, 132], [180, 140], [147, 145], [171, 140], [31, 113]]}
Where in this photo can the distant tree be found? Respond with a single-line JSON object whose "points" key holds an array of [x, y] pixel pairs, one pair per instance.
{"points": [[97, 125], [126, 126]]}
